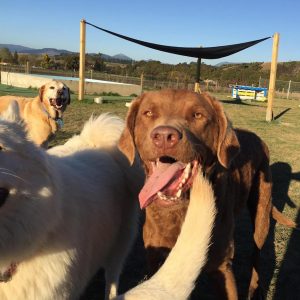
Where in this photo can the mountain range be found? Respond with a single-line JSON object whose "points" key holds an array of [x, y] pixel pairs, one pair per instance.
{"points": [[54, 51]]}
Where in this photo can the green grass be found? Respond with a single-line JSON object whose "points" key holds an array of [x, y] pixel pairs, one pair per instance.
{"points": [[11, 90], [281, 255]]}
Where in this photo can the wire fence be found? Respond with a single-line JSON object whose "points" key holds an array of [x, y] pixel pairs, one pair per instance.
{"points": [[284, 89]]}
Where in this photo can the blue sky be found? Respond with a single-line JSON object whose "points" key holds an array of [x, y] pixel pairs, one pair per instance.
{"points": [[55, 24]]}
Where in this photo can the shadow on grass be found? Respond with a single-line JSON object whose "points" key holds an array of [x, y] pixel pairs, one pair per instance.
{"points": [[288, 279], [238, 102], [282, 113]]}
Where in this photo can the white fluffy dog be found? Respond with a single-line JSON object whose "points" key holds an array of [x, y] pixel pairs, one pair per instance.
{"points": [[62, 218], [175, 280]]}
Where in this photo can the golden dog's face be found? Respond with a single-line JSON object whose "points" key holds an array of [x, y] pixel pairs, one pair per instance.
{"points": [[55, 95]]}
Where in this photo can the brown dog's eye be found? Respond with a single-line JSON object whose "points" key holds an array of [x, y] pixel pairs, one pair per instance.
{"points": [[52, 87], [198, 115], [148, 113]]}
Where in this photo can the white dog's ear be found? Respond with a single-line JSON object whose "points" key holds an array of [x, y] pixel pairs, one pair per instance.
{"points": [[12, 113]]}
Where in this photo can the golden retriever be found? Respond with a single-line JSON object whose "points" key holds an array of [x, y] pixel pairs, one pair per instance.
{"points": [[42, 114]]}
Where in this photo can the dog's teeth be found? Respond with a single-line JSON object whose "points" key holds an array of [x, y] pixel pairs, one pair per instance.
{"points": [[187, 168], [162, 196], [178, 194]]}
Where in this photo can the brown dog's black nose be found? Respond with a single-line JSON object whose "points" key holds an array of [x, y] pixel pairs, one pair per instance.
{"points": [[165, 137]]}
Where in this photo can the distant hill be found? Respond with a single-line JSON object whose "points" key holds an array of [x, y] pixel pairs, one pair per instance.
{"points": [[27, 50], [223, 63], [54, 51]]}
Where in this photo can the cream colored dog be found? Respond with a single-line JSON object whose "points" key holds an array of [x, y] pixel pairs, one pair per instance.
{"points": [[62, 218], [176, 278], [42, 114]]}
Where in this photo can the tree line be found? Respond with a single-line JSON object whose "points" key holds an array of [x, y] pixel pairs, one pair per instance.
{"points": [[243, 73]]}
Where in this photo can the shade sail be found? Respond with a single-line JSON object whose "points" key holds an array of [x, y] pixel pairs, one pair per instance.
{"points": [[197, 52]]}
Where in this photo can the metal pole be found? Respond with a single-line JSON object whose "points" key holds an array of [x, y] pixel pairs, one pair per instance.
{"points": [[269, 114], [81, 61]]}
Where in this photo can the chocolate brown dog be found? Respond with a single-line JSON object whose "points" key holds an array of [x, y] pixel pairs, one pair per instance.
{"points": [[176, 130]]}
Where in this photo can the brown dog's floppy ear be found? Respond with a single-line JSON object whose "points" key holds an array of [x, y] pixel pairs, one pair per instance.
{"points": [[126, 142], [41, 92], [228, 143]]}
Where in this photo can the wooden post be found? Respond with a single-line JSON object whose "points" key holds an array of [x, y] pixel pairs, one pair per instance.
{"points": [[27, 69], [197, 88], [81, 61], [142, 80], [289, 89], [269, 114]]}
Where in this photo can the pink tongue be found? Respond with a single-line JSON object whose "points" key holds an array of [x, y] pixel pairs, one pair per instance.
{"points": [[160, 177]]}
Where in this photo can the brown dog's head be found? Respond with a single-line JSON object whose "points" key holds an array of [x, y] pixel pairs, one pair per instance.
{"points": [[174, 131], [55, 96]]}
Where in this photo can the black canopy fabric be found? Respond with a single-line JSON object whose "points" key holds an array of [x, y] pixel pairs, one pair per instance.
{"points": [[197, 52]]}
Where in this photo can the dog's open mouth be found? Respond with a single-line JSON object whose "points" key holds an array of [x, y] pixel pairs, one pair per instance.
{"points": [[57, 103], [168, 181]]}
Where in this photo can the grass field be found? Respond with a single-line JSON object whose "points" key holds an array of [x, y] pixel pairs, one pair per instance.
{"points": [[281, 255]]}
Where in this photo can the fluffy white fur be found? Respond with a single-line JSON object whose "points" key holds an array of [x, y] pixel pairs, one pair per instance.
{"points": [[90, 137], [65, 216], [176, 278]]}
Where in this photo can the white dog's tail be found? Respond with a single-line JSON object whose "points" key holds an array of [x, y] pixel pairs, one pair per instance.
{"points": [[103, 131], [176, 278]]}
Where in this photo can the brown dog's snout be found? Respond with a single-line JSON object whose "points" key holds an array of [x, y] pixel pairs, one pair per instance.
{"points": [[165, 137]]}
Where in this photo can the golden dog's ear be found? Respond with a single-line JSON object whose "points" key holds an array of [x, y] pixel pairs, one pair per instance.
{"points": [[126, 142], [228, 143], [41, 92]]}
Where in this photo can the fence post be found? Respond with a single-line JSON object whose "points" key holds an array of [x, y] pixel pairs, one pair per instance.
{"points": [[142, 80], [27, 70], [81, 61], [269, 113], [288, 91], [197, 88]]}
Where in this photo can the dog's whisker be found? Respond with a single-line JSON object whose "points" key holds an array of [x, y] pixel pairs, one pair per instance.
{"points": [[14, 175], [5, 169]]}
